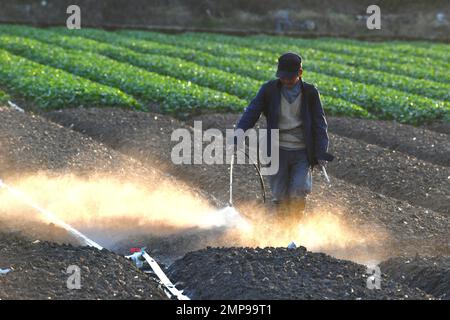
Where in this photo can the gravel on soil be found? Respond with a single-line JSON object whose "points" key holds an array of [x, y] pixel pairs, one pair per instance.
{"points": [[279, 273], [39, 270]]}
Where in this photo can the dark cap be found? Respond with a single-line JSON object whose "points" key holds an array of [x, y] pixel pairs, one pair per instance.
{"points": [[288, 65]]}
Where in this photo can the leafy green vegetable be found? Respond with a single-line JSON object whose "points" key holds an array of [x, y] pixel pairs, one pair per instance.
{"points": [[193, 72], [52, 88], [174, 95]]}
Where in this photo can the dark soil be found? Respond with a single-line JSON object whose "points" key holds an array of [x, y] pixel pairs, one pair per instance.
{"points": [[169, 248], [32, 144], [146, 136], [385, 171], [137, 145], [39, 271], [391, 173], [278, 273], [421, 143], [431, 274], [441, 127]]}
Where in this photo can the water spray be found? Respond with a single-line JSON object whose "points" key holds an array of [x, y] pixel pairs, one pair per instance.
{"points": [[232, 217], [138, 258], [50, 216]]}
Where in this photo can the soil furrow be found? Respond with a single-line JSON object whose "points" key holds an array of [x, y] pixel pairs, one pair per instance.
{"points": [[247, 273], [421, 143], [32, 144], [394, 174], [40, 271], [147, 138]]}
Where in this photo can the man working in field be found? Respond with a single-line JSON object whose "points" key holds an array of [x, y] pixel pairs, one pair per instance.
{"points": [[293, 107]]}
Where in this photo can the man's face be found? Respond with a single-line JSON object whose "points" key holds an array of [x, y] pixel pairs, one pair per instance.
{"points": [[290, 82]]}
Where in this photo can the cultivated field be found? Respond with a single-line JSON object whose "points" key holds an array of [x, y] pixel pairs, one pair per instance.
{"points": [[94, 147]]}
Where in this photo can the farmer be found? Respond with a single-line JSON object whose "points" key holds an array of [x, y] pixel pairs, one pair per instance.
{"points": [[293, 107]]}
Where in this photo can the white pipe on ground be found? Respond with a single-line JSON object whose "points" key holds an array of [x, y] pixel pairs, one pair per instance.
{"points": [[85, 240], [51, 217]]}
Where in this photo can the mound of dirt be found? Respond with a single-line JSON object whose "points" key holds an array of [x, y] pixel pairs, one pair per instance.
{"points": [[279, 273], [391, 173], [421, 143], [431, 274], [39, 271], [442, 127], [32, 143]]}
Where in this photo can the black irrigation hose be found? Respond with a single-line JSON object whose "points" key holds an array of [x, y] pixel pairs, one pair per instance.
{"points": [[256, 165]]}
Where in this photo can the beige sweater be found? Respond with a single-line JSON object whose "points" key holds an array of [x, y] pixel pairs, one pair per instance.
{"points": [[290, 124]]}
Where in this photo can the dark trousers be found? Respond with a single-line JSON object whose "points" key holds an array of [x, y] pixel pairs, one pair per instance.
{"points": [[292, 183]]}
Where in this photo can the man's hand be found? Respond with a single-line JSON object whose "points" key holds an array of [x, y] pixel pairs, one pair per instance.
{"points": [[322, 163]]}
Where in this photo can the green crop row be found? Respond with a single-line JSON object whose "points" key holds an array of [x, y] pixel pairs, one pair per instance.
{"points": [[192, 62], [52, 88], [364, 49], [248, 89], [400, 45], [426, 88], [413, 69], [253, 74], [427, 50], [384, 102], [4, 97], [232, 83], [392, 52], [317, 61], [174, 95]]}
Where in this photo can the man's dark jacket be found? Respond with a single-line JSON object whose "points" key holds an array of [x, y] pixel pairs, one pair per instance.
{"points": [[267, 102]]}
